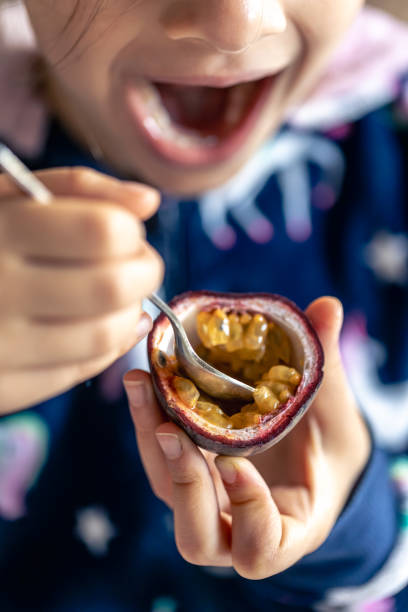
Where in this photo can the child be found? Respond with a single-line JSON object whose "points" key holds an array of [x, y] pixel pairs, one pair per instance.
{"points": [[198, 99]]}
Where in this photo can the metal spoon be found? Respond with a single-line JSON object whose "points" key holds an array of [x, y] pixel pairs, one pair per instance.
{"points": [[22, 176], [209, 379]]}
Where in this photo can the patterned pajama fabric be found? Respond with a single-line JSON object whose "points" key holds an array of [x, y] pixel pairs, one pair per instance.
{"points": [[320, 209]]}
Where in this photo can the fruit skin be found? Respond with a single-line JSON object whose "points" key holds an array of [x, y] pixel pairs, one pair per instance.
{"points": [[272, 428]]}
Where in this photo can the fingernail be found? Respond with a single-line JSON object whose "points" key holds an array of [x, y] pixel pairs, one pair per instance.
{"points": [[136, 392], [144, 325], [170, 445], [227, 470]]}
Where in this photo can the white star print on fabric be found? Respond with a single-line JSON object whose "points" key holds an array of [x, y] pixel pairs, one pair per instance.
{"points": [[95, 529], [387, 256], [287, 156], [164, 604]]}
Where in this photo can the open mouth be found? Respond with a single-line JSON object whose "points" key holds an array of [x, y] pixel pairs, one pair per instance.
{"points": [[196, 125]]}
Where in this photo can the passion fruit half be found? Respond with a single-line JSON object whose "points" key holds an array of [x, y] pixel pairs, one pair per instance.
{"points": [[260, 338]]}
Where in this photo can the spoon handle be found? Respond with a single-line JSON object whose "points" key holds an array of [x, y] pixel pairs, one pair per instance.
{"points": [[22, 176]]}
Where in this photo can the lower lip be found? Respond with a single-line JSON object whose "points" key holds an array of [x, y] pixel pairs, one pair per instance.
{"points": [[196, 155]]}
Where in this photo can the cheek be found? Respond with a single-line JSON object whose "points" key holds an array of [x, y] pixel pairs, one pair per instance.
{"points": [[56, 29], [322, 23], [82, 35], [81, 41]]}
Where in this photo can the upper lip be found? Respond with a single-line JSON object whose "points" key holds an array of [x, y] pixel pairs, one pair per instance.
{"points": [[210, 81]]}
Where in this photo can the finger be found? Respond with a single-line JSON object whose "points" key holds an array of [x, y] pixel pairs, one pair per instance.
{"points": [[49, 344], [265, 539], [71, 230], [202, 536], [326, 316], [313, 502], [256, 522], [335, 406], [272, 529], [81, 291], [139, 199], [20, 389], [147, 416]]}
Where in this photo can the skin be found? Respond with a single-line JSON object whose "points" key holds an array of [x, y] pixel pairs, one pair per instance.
{"points": [[261, 515], [179, 39], [72, 305], [73, 299]]}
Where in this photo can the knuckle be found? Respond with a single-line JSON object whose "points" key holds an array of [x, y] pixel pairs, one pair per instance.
{"points": [[103, 339], [184, 478], [153, 269], [113, 230], [80, 177], [257, 561], [191, 552], [97, 230], [252, 569], [158, 265], [319, 539], [161, 495], [87, 369], [111, 291], [157, 491]]}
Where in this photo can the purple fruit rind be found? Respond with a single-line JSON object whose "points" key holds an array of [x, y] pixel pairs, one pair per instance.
{"points": [[273, 427]]}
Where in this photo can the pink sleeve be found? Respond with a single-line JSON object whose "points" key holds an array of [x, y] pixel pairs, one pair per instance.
{"points": [[22, 113], [362, 75]]}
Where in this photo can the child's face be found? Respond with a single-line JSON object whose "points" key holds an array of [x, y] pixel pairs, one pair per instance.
{"points": [[181, 92]]}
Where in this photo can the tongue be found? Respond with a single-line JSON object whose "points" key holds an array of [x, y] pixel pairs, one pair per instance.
{"points": [[199, 108]]}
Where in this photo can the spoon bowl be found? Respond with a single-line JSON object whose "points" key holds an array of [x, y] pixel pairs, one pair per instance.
{"points": [[206, 377]]}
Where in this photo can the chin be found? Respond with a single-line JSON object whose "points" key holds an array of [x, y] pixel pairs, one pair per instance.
{"points": [[136, 160], [179, 180]]}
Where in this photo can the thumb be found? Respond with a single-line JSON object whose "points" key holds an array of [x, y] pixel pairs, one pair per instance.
{"points": [[335, 399], [344, 434], [326, 316]]}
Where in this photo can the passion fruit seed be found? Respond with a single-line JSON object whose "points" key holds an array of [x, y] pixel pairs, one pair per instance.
{"points": [[213, 413], [282, 374], [265, 399], [248, 419], [236, 335], [186, 390], [161, 359], [203, 318], [218, 328], [239, 342], [289, 365], [245, 318], [255, 334]]}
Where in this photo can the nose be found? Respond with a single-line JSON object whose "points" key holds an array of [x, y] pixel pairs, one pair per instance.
{"points": [[230, 26]]}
